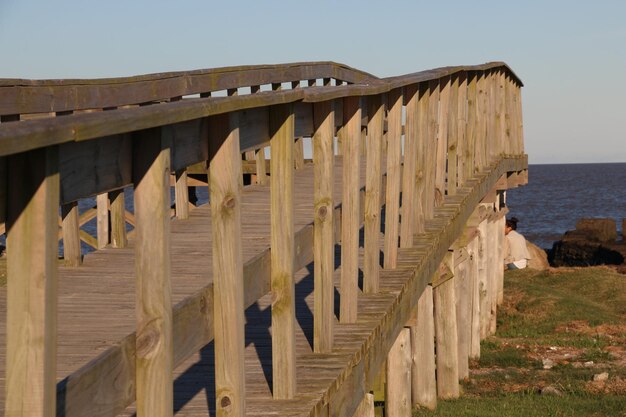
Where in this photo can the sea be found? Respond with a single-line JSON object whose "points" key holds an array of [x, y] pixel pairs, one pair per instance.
{"points": [[558, 195]]}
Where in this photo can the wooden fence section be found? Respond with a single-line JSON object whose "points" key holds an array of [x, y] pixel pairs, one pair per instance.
{"points": [[437, 148]]}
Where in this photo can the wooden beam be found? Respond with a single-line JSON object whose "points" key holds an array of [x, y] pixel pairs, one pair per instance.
{"points": [[102, 222], [323, 244], [3, 192], [423, 156], [394, 176], [434, 88], [71, 238], [282, 244], [373, 179], [463, 313], [409, 171], [181, 195], [32, 224], [453, 141], [442, 142], [228, 288], [468, 156], [366, 408], [474, 297], [154, 345], [118, 220], [298, 153], [423, 378], [350, 137], [462, 130], [260, 166], [398, 381]]}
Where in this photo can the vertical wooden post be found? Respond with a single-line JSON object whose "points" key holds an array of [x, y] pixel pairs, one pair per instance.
{"points": [[519, 121], [483, 282], [323, 236], [102, 219], [71, 235], [463, 316], [350, 137], [228, 307], [282, 244], [462, 129], [394, 176], [3, 191], [494, 266], [424, 385], [409, 171], [31, 338], [500, 111], [431, 146], [154, 345], [469, 160], [366, 408], [481, 123], [261, 171], [442, 142], [182, 195], [118, 219], [298, 153], [446, 336], [453, 110], [492, 125], [398, 388], [373, 178], [423, 155], [508, 116], [474, 296]]}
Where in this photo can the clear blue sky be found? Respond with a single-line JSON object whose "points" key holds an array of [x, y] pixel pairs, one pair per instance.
{"points": [[571, 55]]}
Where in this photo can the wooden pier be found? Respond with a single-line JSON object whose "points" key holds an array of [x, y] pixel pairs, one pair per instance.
{"points": [[297, 293]]}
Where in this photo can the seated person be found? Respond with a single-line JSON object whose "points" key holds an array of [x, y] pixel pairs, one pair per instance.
{"points": [[516, 254]]}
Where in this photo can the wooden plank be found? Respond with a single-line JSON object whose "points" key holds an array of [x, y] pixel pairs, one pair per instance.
{"points": [[409, 171], [474, 296], [433, 128], [444, 300], [182, 195], [481, 123], [462, 129], [282, 243], [188, 143], [492, 122], [31, 332], [394, 176], [423, 378], [228, 307], [253, 128], [442, 142], [102, 222], [323, 246], [373, 178], [483, 283], [71, 239], [453, 122], [3, 191], [260, 166], [398, 387], [366, 408], [154, 345], [423, 155], [298, 153], [468, 156], [118, 220], [519, 122], [350, 136], [463, 314]]}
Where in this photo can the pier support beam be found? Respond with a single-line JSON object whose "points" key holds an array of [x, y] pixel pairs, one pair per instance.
{"points": [[398, 388], [423, 378]]}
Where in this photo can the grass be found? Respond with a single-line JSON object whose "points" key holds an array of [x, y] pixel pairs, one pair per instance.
{"points": [[575, 318]]}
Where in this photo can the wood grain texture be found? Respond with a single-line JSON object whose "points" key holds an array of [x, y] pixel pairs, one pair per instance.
{"points": [[462, 130], [434, 88], [282, 238], [423, 377], [394, 177], [373, 179], [71, 236], [409, 171], [323, 245], [102, 222], [469, 160], [154, 341], [31, 333], [181, 195], [442, 141], [119, 238], [423, 155], [453, 141], [398, 380], [228, 288], [3, 190], [474, 296], [463, 314], [350, 135]]}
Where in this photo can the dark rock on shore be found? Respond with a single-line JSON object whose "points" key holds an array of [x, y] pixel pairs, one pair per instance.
{"points": [[594, 242]]}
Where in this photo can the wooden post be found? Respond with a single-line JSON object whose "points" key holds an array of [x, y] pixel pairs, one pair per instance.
{"points": [[282, 244], [500, 112], [182, 195], [462, 129], [424, 385], [3, 191], [469, 160], [474, 345], [453, 110], [102, 219], [494, 265], [492, 125], [228, 299], [519, 121], [118, 219], [463, 315], [323, 236], [423, 156], [481, 123], [71, 235], [394, 176], [431, 144], [261, 173], [32, 239], [398, 388], [373, 178], [154, 344], [350, 135], [409, 171], [298, 153], [499, 258], [483, 284], [442, 142], [366, 408], [446, 336]]}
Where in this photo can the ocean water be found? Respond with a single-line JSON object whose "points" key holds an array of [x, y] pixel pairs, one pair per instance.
{"points": [[558, 195]]}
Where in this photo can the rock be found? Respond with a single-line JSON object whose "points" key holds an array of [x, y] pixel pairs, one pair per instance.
{"points": [[538, 257], [588, 364], [601, 230], [547, 363], [550, 390], [601, 377]]}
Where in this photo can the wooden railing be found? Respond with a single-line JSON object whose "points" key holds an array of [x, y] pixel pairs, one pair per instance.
{"points": [[432, 133]]}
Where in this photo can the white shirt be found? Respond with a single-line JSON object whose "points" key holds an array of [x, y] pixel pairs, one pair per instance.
{"points": [[517, 251]]}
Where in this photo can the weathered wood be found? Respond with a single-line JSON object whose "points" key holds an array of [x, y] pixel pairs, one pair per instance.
{"points": [[261, 167], [182, 195], [323, 245], [474, 296], [398, 387], [102, 222], [444, 300], [154, 345], [31, 332], [373, 178], [366, 408], [442, 141], [423, 156], [463, 315], [228, 288], [350, 135], [453, 123], [118, 219], [481, 123], [409, 171], [394, 176], [483, 283], [492, 122], [423, 378], [3, 191], [430, 192], [519, 123], [188, 143], [469, 160], [462, 130], [71, 237], [298, 153], [282, 243]]}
